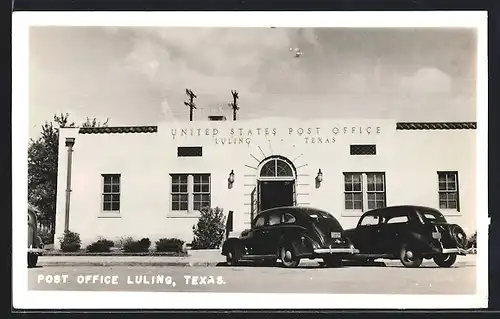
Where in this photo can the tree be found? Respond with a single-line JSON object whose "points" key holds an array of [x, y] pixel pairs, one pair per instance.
{"points": [[234, 104], [190, 103], [42, 166]]}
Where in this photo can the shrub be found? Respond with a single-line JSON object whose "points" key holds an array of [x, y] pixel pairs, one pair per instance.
{"points": [[70, 241], [209, 231], [137, 246], [169, 245], [472, 242], [122, 241], [100, 246], [46, 236]]}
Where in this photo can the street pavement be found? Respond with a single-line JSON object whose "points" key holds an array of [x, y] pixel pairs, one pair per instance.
{"points": [[309, 277]]}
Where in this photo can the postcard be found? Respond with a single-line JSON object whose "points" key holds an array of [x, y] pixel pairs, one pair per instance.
{"points": [[268, 160]]}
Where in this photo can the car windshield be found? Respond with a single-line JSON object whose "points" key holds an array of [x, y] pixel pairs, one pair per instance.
{"points": [[430, 216], [323, 220]]}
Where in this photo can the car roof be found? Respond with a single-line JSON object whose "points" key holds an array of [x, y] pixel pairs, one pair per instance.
{"points": [[389, 209], [291, 209]]}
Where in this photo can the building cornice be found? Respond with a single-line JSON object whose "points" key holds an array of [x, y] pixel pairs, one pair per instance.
{"points": [[436, 126], [404, 126], [118, 129]]}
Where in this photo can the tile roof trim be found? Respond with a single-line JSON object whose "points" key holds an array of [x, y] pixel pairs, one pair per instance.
{"points": [[118, 129], [404, 126], [436, 126]]}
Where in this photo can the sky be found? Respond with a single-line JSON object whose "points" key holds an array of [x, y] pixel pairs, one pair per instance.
{"points": [[138, 75]]}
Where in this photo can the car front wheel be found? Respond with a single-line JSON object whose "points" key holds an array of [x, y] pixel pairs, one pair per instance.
{"points": [[32, 260], [288, 257], [409, 258], [446, 260], [232, 257]]}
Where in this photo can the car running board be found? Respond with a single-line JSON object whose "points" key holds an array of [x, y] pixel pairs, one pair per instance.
{"points": [[357, 256], [256, 257]]}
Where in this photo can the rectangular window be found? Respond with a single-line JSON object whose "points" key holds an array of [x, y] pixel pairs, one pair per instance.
{"points": [[375, 190], [201, 191], [190, 192], [190, 151], [353, 188], [216, 118], [357, 149], [364, 190], [111, 192], [448, 190], [179, 192]]}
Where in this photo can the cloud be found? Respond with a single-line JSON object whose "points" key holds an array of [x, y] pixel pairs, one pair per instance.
{"points": [[251, 59], [427, 80]]}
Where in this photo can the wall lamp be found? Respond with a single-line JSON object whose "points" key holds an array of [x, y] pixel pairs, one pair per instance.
{"points": [[230, 179], [319, 178]]}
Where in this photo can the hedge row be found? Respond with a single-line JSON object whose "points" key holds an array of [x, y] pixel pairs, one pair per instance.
{"points": [[70, 242]]}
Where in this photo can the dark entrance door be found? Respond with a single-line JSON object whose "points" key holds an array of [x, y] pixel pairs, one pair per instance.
{"points": [[276, 194]]}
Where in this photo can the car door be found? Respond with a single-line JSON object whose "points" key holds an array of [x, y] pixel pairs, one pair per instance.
{"points": [[366, 234], [256, 236], [391, 232], [272, 232]]}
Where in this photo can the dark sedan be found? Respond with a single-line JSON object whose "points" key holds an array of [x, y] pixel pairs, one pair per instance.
{"points": [[35, 244], [410, 234], [290, 234]]}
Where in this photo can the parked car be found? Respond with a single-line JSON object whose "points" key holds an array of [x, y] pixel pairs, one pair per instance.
{"points": [[35, 244], [290, 234], [410, 234]]}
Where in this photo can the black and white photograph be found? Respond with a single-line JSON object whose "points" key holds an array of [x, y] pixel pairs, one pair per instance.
{"points": [[250, 160]]}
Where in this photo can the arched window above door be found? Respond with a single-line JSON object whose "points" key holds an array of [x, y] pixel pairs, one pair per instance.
{"points": [[276, 168]]}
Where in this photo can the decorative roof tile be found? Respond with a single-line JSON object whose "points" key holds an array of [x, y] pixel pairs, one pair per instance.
{"points": [[118, 129], [436, 126]]}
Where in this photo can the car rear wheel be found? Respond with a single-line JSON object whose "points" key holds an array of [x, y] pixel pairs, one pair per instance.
{"points": [[288, 257], [332, 261], [32, 260], [409, 258], [446, 260]]}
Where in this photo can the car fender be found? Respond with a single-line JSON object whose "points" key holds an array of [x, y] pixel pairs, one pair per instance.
{"points": [[301, 243], [416, 240], [235, 243]]}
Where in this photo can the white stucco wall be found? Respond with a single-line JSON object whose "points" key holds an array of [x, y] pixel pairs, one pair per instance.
{"points": [[410, 160]]}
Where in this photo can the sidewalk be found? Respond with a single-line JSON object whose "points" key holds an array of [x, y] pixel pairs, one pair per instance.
{"points": [[209, 257], [200, 258]]}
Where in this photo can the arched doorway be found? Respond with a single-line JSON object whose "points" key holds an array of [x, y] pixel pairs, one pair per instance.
{"points": [[275, 184]]}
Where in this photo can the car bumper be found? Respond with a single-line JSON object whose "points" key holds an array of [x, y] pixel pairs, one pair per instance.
{"points": [[331, 251], [459, 251], [37, 251]]}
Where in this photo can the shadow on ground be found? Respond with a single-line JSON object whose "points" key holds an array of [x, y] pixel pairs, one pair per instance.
{"points": [[302, 266]]}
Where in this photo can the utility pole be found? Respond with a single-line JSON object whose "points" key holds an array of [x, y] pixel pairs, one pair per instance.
{"points": [[234, 104], [190, 103]]}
